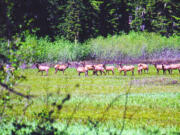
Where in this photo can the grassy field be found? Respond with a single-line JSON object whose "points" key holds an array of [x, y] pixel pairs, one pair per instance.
{"points": [[153, 101]]}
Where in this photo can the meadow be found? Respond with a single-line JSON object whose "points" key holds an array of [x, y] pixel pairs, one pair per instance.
{"points": [[140, 104]]}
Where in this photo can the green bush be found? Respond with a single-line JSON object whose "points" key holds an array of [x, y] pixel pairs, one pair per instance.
{"points": [[43, 50], [117, 47], [135, 44]]}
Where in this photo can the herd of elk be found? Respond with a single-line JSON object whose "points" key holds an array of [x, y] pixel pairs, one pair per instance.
{"points": [[103, 68], [168, 68]]}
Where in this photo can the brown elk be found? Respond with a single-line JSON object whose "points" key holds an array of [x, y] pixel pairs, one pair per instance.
{"points": [[109, 68], [99, 68], [140, 68], [61, 67], [42, 68], [144, 67], [82, 69], [175, 67], [90, 67], [159, 67], [166, 67], [126, 68]]}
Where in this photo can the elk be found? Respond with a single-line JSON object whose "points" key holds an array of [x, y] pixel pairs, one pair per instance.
{"points": [[158, 68], [99, 68], [42, 68], [144, 67], [174, 67], [90, 67], [140, 68], [109, 68], [61, 67], [82, 69], [126, 68], [166, 67]]}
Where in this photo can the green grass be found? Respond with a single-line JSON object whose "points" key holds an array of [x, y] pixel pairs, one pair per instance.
{"points": [[153, 100]]}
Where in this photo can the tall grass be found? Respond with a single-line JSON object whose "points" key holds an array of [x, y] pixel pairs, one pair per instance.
{"points": [[118, 47], [135, 44], [43, 50]]}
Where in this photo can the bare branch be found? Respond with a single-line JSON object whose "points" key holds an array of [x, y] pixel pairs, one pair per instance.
{"points": [[15, 92]]}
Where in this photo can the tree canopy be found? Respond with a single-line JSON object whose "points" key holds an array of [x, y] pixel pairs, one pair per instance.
{"points": [[79, 20]]}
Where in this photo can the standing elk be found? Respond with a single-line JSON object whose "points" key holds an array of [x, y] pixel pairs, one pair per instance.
{"points": [[61, 67], [42, 68], [158, 68], [89, 67], [175, 67], [144, 67], [82, 69], [99, 68], [140, 68], [126, 68], [162, 67], [109, 68], [166, 67]]}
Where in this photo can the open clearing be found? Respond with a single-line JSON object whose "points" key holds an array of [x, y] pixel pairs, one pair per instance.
{"points": [[152, 100]]}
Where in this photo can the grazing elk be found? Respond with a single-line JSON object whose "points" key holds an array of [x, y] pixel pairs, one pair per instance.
{"points": [[82, 69], [126, 68], [61, 67], [99, 68], [42, 68], [144, 67]]}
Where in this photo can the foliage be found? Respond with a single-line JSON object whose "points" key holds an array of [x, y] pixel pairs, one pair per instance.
{"points": [[79, 20], [133, 45]]}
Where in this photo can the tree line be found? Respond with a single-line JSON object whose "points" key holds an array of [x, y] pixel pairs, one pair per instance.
{"points": [[79, 20]]}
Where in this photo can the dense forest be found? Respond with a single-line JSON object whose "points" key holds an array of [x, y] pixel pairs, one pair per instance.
{"points": [[79, 20]]}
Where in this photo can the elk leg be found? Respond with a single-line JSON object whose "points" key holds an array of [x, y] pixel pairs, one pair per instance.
{"points": [[169, 71], [164, 72], [133, 72], [112, 72], [56, 71], [157, 71], [124, 73]]}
